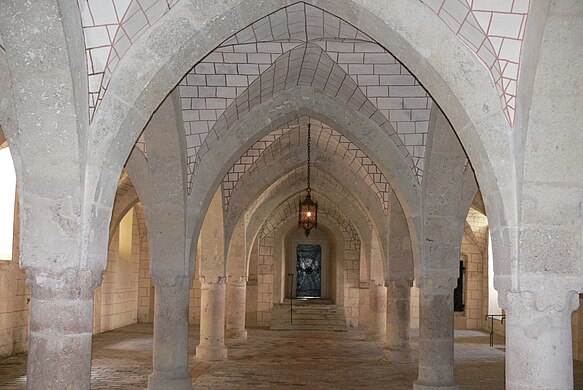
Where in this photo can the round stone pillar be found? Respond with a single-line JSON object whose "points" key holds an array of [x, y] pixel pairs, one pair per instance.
{"points": [[212, 320], [235, 317], [397, 346], [170, 350], [436, 335], [539, 351], [60, 330], [377, 311]]}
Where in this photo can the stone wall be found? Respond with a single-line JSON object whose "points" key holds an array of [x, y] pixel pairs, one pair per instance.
{"points": [[414, 308], [195, 293], [14, 299], [252, 289], [194, 305], [352, 283], [145, 288], [116, 300], [471, 317], [265, 282]]}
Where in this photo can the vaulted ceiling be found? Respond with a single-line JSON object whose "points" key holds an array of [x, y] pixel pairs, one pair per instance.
{"points": [[302, 45]]}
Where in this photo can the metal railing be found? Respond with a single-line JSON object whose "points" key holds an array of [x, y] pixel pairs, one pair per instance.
{"points": [[291, 299], [491, 317]]}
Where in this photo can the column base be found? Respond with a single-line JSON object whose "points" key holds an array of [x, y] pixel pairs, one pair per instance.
{"points": [[420, 386], [398, 355], [160, 383], [211, 353], [236, 334]]}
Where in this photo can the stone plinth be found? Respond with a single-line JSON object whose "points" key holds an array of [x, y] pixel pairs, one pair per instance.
{"points": [[539, 341], [212, 320], [436, 336], [235, 316], [170, 350], [397, 346], [377, 311], [60, 326]]}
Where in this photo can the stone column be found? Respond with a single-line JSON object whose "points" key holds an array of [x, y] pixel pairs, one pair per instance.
{"points": [[60, 329], [436, 334], [235, 318], [377, 311], [539, 351], [397, 347], [212, 320], [170, 351]]}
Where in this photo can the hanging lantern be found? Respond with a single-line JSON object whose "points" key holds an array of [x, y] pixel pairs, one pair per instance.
{"points": [[308, 211]]}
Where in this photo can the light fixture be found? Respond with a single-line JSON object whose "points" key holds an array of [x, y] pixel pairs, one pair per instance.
{"points": [[308, 217]]}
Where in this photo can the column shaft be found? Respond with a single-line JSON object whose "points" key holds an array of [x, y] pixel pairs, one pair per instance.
{"points": [[212, 321], [397, 343], [377, 311], [435, 340], [60, 326], [235, 317], [539, 351], [170, 351], [59, 345]]}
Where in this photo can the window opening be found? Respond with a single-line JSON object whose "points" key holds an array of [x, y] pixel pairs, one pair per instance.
{"points": [[493, 307], [458, 293], [7, 199]]}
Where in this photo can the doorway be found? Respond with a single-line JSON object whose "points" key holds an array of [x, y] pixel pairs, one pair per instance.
{"points": [[309, 271]]}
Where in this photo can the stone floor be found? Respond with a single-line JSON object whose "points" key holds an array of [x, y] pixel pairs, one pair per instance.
{"points": [[272, 360]]}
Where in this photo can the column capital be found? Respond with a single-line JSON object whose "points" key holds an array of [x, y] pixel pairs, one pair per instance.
{"points": [[556, 301], [374, 282], [237, 281], [399, 283], [69, 283], [218, 280], [438, 284], [171, 279]]}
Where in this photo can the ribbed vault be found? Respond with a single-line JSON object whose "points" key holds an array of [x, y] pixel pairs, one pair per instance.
{"points": [[293, 135]]}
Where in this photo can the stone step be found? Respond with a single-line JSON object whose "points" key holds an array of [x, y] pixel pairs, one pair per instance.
{"points": [[310, 315], [300, 314], [309, 302], [294, 326]]}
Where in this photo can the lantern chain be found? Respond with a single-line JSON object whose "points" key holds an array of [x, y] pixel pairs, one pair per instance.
{"points": [[309, 145]]}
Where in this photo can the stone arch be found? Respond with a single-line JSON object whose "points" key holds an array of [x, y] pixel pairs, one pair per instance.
{"points": [[290, 171], [296, 185], [360, 228], [308, 66], [282, 108], [349, 265], [293, 136], [254, 202], [126, 197], [289, 208], [409, 30]]}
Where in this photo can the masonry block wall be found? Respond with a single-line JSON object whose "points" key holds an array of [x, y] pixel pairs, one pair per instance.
{"points": [[145, 288], [363, 305], [265, 282], [414, 307], [116, 300], [252, 294], [351, 283], [14, 299], [471, 317], [194, 305]]}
